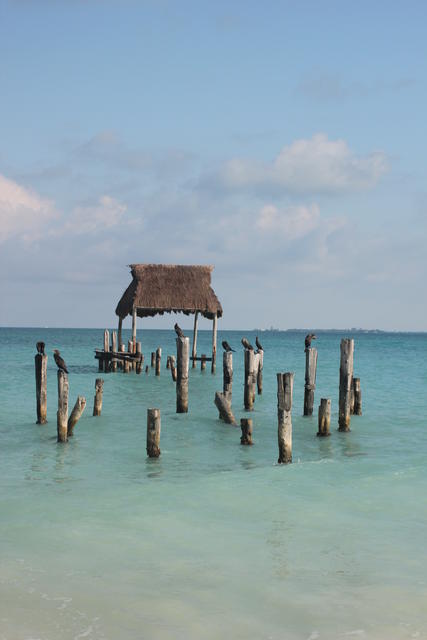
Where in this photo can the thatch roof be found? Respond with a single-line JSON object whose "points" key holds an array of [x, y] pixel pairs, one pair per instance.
{"points": [[159, 288]]}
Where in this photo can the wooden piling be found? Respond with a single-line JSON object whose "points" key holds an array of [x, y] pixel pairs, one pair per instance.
{"points": [[119, 333], [168, 362], [227, 369], [246, 427], [203, 362], [285, 383], [183, 356], [130, 363], [41, 387], [153, 433], [121, 363], [324, 417], [153, 359], [158, 360], [97, 403], [310, 379], [75, 415], [140, 360], [346, 376], [249, 379], [259, 372], [224, 408], [62, 413], [357, 393], [114, 350], [194, 352], [147, 369], [173, 368]]}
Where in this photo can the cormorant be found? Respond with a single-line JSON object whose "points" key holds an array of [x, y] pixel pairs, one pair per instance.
{"points": [[258, 344], [179, 331], [308, 339], [59, 361], [226, 346], [40, 348]]}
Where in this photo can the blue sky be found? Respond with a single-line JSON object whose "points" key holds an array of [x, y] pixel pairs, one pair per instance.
{"points": [[282, 142]]}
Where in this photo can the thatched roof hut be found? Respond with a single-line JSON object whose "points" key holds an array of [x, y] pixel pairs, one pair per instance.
{"points": [[159, 288], [165, 288]]}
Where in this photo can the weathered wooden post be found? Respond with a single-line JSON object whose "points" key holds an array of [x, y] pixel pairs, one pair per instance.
{"points": [[224, 408], [310, 379], [130, 362], [357, 394], [153, 433], [285, 383], [119, 333], [168, 362], [158, 360], [134, 317], [259, 372], [227, 369], [40, 360], [147, 369], [114, 350], [153, 359], [75, 415], [106, 350], [183, 357], [122, 363], [97, 403], [249, 379], [62, 413], [203, 362], [173, 368], [140, 360], [324, 418], [194, 352], [255, 375], [246, 427], [346, 376], [214, 333]]}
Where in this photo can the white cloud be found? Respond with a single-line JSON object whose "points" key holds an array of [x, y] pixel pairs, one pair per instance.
{"points": [[105, 214], [23, 213], [315, 165], [293, 222]]}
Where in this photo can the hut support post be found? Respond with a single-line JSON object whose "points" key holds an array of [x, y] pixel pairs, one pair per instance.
{"points": [[97, 403], [214, 332], [75, 415], [62, 414], [114, 350], [134, 325], [183, 357], [310, 379], [119, 332], [41, 387], [285, 383], [346, 377], [153, 433], [106, 350], [194, 352]]}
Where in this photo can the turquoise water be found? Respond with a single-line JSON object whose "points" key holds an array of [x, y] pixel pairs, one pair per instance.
{"points": [[214, 540]]}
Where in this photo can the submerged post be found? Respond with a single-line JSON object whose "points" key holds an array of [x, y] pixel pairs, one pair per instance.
{"points": [[324, 418], [40, 360], [346, 376], [153, 433], [224, 408], [310, 379], [227, 370], [97, 403], [214, 332], [158, 360], [153, 359], [249, 379], [357, 393], [183, 356], [259, 372], [285, 383], [194, 352], [62, 413], [246, 427], [203, 362], [75, 415]]}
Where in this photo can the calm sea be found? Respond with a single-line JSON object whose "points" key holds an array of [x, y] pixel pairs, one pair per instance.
{"points": [[214, 540]]}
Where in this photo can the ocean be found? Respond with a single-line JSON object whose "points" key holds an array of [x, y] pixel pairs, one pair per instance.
{"points": [[213, 539]]}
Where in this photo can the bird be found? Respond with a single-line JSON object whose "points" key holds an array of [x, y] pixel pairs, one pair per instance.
{"points": [[247, 344], [59, 361], [308, 338], [179, 331], [226, 346], [258, 344], [40, 348]]}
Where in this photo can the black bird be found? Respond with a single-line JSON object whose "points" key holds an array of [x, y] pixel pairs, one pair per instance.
{"points": [[40, 348], [308, 339], [226, 346], [258, 344], [247, 344], [179, 331], [59, 361]]}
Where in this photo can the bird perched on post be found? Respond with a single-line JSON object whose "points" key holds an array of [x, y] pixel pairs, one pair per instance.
{"points": [[40, 348], [308, 339], [179, 331], [247, 344], [258, 344], [59, 361], [226, 346]]}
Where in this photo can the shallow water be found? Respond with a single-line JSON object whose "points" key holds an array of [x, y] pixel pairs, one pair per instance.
{"points": [[214, 539]]}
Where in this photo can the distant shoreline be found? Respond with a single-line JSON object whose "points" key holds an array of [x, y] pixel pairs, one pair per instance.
{"points": [[222, 329]]}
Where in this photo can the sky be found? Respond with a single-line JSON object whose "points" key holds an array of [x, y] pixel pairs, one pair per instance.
{"points": [[282, 142]]}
